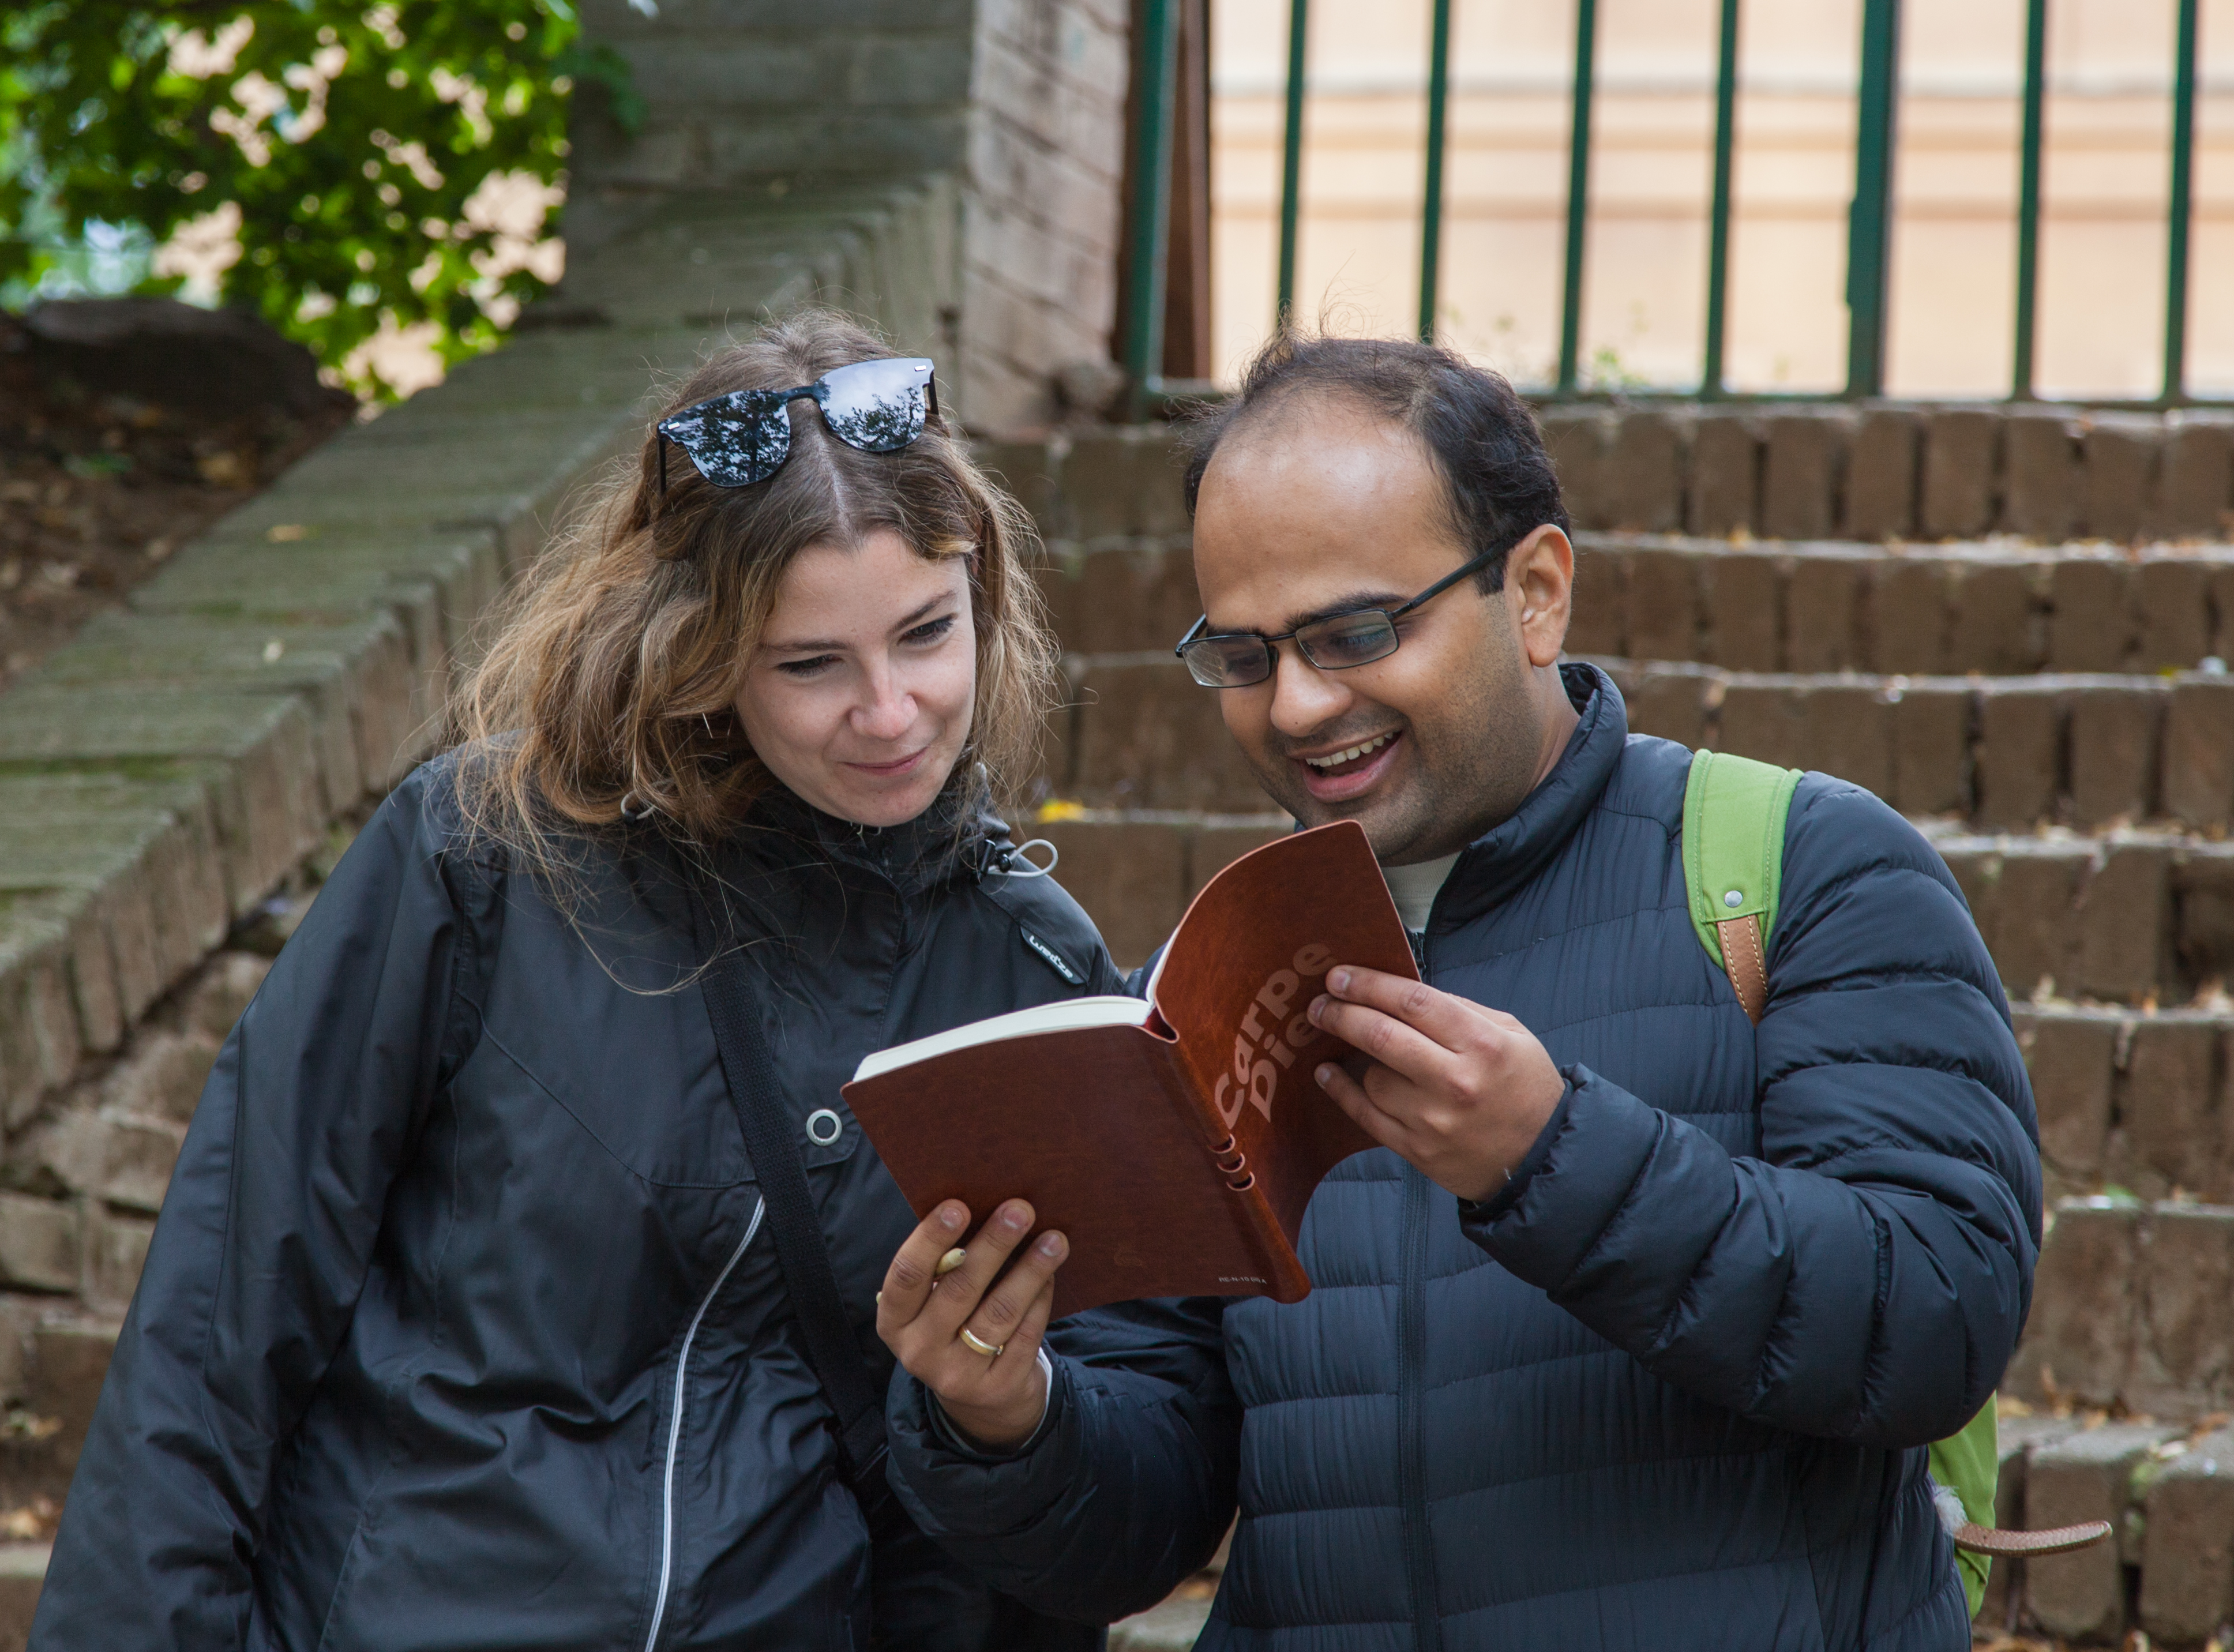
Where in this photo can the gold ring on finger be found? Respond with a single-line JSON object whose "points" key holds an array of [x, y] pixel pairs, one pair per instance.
{"points": [[990, 1350]]}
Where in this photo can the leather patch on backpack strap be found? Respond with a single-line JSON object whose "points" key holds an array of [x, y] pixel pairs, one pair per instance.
{"points": [[1746, 964], [2056, 1540]]}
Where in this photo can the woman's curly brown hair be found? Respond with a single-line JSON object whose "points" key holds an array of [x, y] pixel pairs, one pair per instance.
{"points": [[615, 664]]}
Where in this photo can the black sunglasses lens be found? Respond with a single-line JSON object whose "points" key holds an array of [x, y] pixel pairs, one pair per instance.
{"points": [[878, 406], [1345, 640], [734, 440], [1228, 661]]}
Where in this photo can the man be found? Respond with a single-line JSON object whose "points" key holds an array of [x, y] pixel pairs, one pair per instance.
{"points": [[1634, 1332]]}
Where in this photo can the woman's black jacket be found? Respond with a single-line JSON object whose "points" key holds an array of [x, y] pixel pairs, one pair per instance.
{"points": [[456, 1331]]}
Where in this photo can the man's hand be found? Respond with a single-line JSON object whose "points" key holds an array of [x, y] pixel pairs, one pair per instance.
{"points": [[1459, 1091], [921, 1314]]}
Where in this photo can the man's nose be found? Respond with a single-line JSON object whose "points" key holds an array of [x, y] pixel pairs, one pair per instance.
{"points": [[1304, 697]]}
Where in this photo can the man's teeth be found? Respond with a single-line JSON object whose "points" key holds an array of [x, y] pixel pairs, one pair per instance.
{"points": [[1352, 754]]}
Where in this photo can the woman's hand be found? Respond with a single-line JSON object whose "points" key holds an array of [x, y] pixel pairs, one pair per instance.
{"points": [[997, 1399]]}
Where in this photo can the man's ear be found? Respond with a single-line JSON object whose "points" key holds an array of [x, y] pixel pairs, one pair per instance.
{"points": [[1539, 588]]}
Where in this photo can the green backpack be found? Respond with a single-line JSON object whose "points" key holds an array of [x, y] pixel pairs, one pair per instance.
{"points": [[1734, 814]]}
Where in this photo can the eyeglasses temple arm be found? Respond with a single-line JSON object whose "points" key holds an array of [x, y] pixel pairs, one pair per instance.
{"points": [[662, 434], [1447, 581]]}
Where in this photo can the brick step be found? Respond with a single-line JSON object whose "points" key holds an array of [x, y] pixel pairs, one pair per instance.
{"points": [[2129, 918], [2134, 918], [22, 1573], [1810, 606], [1914, 611], [1866, 474], [1885, 471], [2131, 1099], [2000, 754], [2130, 1310], [2166, 1491], [62, 1378]]}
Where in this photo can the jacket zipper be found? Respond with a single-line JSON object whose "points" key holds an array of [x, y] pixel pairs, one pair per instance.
{"points": [[1411, 1382], [1412, 1445], [675, 1427]]}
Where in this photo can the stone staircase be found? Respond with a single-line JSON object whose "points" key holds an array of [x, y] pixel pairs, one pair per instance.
{"points": [[2053, 716], [2057, 717]]}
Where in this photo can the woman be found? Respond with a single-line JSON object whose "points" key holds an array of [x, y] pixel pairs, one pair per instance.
{"points": [[468, 1322]]}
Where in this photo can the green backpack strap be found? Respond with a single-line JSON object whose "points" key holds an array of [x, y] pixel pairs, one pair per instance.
{"points": [[1734, 812], [1733, 815], [1968, 1464]]}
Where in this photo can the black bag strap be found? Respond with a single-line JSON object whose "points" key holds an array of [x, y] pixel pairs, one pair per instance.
{"points": [[800, 1251]]}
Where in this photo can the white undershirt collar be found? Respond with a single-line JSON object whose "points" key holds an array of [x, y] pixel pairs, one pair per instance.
{"points": [[1414, 888]]}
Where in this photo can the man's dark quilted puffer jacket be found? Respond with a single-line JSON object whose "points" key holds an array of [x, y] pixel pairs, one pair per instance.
{"points": [[1672, 1388]]}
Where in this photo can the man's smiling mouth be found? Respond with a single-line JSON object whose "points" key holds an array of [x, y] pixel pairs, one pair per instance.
{"points": [[1335, 762]]}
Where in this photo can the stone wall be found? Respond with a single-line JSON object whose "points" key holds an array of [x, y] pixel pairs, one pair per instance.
{"points": [[1017, 105]]}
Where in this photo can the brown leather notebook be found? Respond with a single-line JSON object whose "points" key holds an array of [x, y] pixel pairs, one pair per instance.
{"points": [[1174, 1141]]}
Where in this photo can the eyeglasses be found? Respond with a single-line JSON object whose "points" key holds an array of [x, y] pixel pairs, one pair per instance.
{"points": [[744, 436], [1357, 637]]}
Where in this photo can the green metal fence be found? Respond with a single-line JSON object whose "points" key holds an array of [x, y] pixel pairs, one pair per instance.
{"points": [[1869, 223]]}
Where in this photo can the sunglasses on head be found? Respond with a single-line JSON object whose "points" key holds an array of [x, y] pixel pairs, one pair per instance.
{"points": [[744, 436]]}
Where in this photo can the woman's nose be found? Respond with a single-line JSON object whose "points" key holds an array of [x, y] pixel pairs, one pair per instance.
{"points": [[888, 711]]}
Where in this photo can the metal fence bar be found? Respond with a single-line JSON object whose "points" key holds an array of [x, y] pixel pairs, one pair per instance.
{"points": [[1152, 201], [2028, 146], [1579, 193], [1869, 242], [1869, 221], [2181, 208], [1431, 201], [1718, 215], [1291, 159]]}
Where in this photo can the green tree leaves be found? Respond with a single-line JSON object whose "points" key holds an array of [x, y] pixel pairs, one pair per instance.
{"points": [[386, 164]]}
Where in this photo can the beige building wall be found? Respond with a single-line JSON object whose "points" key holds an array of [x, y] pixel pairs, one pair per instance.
{"points": [[2105, 181]]}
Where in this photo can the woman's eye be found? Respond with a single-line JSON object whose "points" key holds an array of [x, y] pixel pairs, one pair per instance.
{"points": [[815, 667], [930, 631]]}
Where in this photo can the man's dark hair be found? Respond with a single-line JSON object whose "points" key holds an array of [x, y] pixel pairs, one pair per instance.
{"points": [[1498, 481]]}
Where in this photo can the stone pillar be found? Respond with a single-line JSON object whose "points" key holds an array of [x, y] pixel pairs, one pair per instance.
{"points": [[1015, 108]]}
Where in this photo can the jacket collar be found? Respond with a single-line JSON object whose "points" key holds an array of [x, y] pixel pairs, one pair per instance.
{"points": [[1501, 860], [950, 837]]}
